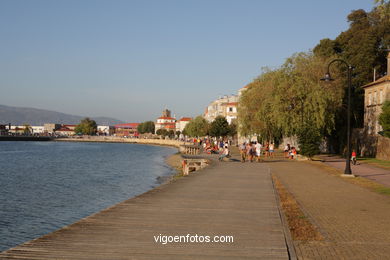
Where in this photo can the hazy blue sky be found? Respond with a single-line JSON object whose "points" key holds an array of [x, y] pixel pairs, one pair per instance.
{"points": [[131, 59]]}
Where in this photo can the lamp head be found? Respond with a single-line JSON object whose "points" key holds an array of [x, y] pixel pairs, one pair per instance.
{"points": [[327, 77]]}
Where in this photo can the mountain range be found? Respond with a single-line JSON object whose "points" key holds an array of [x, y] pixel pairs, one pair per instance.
{"points": [[34, 116]]}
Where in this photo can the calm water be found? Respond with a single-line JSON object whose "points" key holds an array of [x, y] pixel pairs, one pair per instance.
{"points": [[47, 185]]}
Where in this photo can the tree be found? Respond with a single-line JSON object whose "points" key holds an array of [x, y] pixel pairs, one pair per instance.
{"points": [[27, 129], [146, 127], [163, 132], [197, 127], [384, 118], [309, 140], [219, 127], [87, 126]]}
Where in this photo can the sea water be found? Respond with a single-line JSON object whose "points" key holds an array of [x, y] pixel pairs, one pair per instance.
{"points": [[47, 185]]}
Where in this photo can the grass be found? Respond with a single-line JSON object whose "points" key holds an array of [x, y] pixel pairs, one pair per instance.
{"points": [[383, 190], [375, 162], [300, 227], [362, 182]]}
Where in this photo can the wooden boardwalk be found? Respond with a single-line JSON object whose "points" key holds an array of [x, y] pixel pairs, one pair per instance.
{"points": [[225, 199]]}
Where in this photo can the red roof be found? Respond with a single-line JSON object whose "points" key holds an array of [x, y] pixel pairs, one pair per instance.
{"points": [[164, 117], [185, 119], [64, 129], [232, 104], [127, 125]]}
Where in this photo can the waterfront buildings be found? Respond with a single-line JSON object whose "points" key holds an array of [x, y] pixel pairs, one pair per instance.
{"points": [[225, 106], [126, 130], [375, 94], [105, 130], [166, 121], [65, 130], [181, 124]]}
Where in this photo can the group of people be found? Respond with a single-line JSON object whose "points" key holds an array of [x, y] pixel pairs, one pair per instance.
{"points": [[290, 152], [252, 151]]}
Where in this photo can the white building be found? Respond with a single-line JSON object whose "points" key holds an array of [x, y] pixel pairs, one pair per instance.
{"points": [[181, 124], [38, 129], [165, 121], [224, 106], [105, 129]]}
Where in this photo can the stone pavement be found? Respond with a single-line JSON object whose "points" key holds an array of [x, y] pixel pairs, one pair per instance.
{"points": [[354, 221], [225, 199], [377, 174]]}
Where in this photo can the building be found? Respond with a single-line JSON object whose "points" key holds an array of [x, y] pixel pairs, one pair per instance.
{"points": [[126, 130], [105, 130], [166, 121], [65, 130], [375, 94], [38, 130], [224, 106], [181, 124], [50, 128]]}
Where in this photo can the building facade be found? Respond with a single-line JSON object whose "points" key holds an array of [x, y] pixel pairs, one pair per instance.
{"points": [[166, 121], [181, 124], [225, 106], [126, 130], [375, 94]]}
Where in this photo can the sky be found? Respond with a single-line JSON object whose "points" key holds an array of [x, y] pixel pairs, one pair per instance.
{"points": [[131, 59]]}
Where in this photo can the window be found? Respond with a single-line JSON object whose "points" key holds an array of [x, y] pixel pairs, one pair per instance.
{"points": [[230, 109], [374, 98], [369, 98], [381, 96]]}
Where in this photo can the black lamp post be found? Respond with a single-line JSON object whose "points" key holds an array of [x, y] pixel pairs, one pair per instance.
{"points": [[327, 77]]}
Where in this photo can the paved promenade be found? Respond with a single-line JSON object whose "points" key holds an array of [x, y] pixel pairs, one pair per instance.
{"points": [[226, 199], [373, 173], [354, 221]]}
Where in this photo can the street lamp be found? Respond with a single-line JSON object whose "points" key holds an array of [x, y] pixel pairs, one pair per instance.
{"points": [[328, 77]]}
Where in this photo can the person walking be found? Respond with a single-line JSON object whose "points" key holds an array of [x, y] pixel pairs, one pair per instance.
{"points": [[271, 150], [249, 152], [258, 147], [243, 152]]}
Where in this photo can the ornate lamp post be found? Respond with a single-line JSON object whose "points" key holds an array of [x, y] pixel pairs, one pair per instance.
{"points": [[327, 77]]}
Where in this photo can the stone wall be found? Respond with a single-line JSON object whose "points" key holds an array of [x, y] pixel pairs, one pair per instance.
{"points": [[383, 148], [112, 139]]}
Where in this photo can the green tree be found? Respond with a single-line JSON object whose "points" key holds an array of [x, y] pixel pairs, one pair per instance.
{"points": [[146, 127], [163, 132], [219, 127], [384, 118], [309, 139], [87, 126], [27, 129], [197, 127]]}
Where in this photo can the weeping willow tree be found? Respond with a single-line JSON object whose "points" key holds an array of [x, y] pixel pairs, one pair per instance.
{"points": [[287, 100]]}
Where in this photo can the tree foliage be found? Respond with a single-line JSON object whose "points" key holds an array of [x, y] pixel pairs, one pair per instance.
{"points": [[283, 101], [219, 127], [309, 139], [197, 127], [146, 127], [280, 102], [87, 126], [384, 118], [163, 132]]}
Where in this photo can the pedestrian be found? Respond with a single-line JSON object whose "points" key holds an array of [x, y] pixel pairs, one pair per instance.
{"points": [[271, 150], [249, 152], [286, 150], [353, 158], [266, 149], [225, 153], [243, 152], [258, 151]]}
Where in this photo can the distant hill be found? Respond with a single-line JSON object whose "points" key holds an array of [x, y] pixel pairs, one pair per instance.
{"points": [[33, 116]]}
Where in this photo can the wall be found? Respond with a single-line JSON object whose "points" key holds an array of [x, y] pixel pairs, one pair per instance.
{"points": [[383, 148]]}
